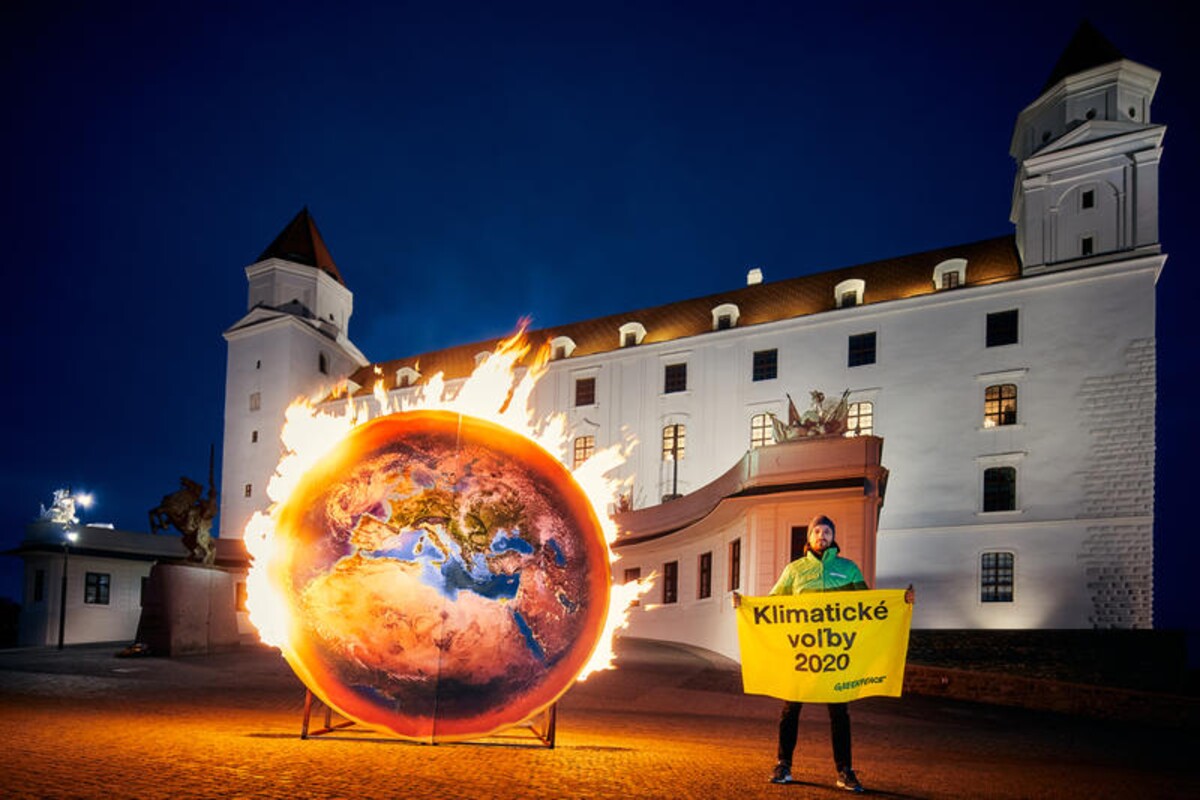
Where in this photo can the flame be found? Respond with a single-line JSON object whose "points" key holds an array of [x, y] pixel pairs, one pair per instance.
{"points": [[312, 429]]}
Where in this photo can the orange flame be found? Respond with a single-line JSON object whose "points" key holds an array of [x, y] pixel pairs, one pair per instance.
{"points": [[312, 429]]}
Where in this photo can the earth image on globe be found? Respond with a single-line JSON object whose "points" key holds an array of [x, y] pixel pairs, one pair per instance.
{"points": [[446, 577]]}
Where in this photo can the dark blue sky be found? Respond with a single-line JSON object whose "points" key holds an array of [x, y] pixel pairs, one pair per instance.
{"points": [[470, 163]]}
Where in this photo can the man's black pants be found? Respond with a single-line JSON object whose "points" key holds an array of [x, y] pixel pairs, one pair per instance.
{"points": [[839, 727]]}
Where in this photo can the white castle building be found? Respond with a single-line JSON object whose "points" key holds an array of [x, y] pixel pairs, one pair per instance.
{"points": [[1010, 383]]}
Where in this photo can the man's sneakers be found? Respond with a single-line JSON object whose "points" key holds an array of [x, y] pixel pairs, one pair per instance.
{"points": [[782, 773], [849, 781]]}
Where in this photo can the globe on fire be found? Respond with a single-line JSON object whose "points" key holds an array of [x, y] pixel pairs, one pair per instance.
{"points": [[447, 577]]}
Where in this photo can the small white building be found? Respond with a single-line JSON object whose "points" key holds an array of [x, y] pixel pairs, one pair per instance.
{"points": [[1012, 381]]}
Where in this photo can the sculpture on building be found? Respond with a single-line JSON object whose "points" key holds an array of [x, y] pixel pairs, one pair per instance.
{"points": [[62, 510], [826, 417], [192, 514]]}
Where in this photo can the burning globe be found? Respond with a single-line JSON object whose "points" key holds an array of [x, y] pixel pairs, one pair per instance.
{"points": [[447, 577]]}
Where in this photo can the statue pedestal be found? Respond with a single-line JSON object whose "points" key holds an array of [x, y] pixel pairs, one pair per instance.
{"points": [[188, 610]]}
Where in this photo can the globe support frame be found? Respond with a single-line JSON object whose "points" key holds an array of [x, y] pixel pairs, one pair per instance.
{"points": [[542, 727]]}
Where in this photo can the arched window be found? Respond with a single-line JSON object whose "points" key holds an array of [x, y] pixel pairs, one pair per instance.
{"points": [[674, 442], [1000, 405], [762, 430], [950, 274], [631, 334], [725, 316], [860, 418]]}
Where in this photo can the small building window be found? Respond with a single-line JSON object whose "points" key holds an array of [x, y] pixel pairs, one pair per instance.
{"points": [[670, 582], [860, 418], [322, 363], [631, 334], [725, 316], [1087, 246], [632, 574], [950, 273], [39, 585], [585, 392], [766, 365], [849, 293], [675, 378], [1000, 489], [861, 350], [762, 430], [253, 437], [95, 588], [704, 584], [996, 577], [1002, 328], [255, 401], [674, 441], [248, 490], [1000, 405], [735, 565], [561, 347], [1087, 199], [584, 447]]}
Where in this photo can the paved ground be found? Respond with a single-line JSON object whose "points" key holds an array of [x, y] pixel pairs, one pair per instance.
{"points": [[81, 723]]}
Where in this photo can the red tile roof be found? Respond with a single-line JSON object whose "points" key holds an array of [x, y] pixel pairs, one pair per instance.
{"points": [[300, 242], [988, 261]]}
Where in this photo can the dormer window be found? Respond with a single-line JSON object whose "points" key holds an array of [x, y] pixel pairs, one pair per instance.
{"points": [[849, 293], [725, 316], [561, 347], [482, 356], [632, 334], [950, 274], [406, 376]]}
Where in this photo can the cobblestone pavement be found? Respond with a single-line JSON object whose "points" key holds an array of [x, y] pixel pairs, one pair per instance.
{"points": [[668, 724]]}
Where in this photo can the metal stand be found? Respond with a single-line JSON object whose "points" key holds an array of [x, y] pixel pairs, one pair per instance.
{"points": [[543, 727]]}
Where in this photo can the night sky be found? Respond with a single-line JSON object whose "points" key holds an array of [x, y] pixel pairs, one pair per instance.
{"points": [[470, 163]]}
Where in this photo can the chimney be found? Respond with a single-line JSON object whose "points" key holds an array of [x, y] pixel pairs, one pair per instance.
{"points": [[754, 277]]}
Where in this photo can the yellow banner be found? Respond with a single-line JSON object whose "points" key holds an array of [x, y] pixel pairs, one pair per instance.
{"points": [[824, 647]]}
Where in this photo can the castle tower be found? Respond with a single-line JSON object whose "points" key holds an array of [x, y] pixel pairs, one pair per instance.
{"points": [[292, 342], [1086, 189]]}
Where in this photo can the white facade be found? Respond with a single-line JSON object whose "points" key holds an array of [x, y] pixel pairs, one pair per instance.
{"points": [[1060, 401]]}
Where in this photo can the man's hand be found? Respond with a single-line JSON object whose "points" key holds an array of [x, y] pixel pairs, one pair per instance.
{"points": [[909, 595], [737, 599]]}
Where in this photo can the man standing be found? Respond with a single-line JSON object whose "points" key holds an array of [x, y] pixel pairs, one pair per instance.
{"points": [[819, 569]]}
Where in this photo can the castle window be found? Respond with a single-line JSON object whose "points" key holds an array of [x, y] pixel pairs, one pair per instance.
{"points": [[735, 565], [632, 334], [258, 364], [766, 365], [725, 316], [849, 293], [704, 584], [1086, 246], [255, 401], [861, 350], [674, 442], [1000, 489], [562, 347], [253, 437], [950, 273], [860, 418], [95, 588], [762, 430], [39, 585], [406, 376], [584, 447], [670, 592], [322, 364], [632, 574], [996, 577], [248, 490], [585, 392], [1002, 328], [675, 378], [1000, 405], [1087, 199]]}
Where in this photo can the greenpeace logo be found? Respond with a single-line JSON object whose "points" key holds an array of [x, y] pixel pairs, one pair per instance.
{"points": [[846, 686]]}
